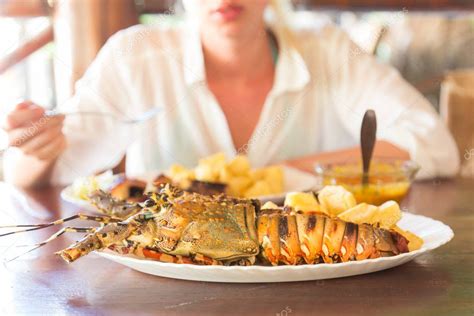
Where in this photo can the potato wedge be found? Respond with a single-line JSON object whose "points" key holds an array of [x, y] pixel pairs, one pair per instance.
{"points": [[274, 177], [335, 200], [360, 214], [269, 206], [414, 242], [238, 185], [259, 188], [237, 174], [387, 215], [302, 201], [239, 166]]}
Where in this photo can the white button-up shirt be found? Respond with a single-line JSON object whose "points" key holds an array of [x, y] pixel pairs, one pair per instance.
{"points": [[320, 93]]}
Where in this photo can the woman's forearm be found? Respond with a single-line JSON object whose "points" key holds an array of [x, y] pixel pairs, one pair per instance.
{"points": [[382, 149], [26, 171]]}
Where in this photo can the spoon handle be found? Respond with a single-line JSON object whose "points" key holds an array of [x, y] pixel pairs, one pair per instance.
{"points": [[367, 142]]}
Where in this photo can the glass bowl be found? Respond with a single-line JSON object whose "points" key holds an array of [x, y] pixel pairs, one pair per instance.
{"points": [[389, 179]]}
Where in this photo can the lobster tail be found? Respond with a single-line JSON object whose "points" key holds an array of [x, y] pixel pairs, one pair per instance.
{"points": [[268, 235], [332, 240], [310, 234], [290, 251], [349, 243], [290, 237], [365, 247], [278, 237]]}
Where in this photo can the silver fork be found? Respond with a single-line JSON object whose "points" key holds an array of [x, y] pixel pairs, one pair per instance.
{"points": [[143, 117]]}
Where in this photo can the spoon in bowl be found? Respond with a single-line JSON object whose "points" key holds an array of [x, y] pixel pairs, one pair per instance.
{"points": [[368, 133]]}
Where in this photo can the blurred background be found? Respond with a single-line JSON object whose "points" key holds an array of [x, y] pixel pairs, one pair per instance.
{"points": [[46, 45]]}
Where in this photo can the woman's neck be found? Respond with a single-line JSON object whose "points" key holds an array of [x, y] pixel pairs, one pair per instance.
{"points": [[239, 58]]}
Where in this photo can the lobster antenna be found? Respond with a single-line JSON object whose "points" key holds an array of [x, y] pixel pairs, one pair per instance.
{"points": [[53, 237], [104, 219]]}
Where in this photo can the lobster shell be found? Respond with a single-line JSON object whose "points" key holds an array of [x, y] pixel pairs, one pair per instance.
{"points": [[289, 237]]}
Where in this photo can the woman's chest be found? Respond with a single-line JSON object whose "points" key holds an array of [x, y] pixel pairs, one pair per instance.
{"points": [[242, 106]]}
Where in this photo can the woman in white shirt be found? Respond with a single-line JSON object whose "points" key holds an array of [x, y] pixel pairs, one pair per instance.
{"points": [[227, 82]]}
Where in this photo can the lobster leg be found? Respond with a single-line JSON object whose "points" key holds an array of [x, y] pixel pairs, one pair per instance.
{"points": [[54, 236], [107, 204], [104, 219], [162, 257], [105, 236]]}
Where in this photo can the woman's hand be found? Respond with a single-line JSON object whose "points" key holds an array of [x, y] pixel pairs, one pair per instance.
{"points": [[35, 134]]}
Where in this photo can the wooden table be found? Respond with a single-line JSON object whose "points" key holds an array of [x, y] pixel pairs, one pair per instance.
{"points": [[439, 283]]}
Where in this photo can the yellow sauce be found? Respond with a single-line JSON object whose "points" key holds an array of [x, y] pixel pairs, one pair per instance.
{"points": [[386, 182]]}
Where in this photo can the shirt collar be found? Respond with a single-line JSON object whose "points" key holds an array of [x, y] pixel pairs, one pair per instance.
{"points": [[291, 73], [193, 66]]}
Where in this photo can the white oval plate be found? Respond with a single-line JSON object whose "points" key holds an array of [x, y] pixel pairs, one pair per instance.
{"points": [[433, 232], [67, 194], [295, 180]]}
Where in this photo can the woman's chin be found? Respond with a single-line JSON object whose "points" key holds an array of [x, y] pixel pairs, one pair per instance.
{"points": [[229, 29]]}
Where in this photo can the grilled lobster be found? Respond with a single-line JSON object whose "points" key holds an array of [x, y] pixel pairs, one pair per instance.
{"points": [[181, 227]]}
